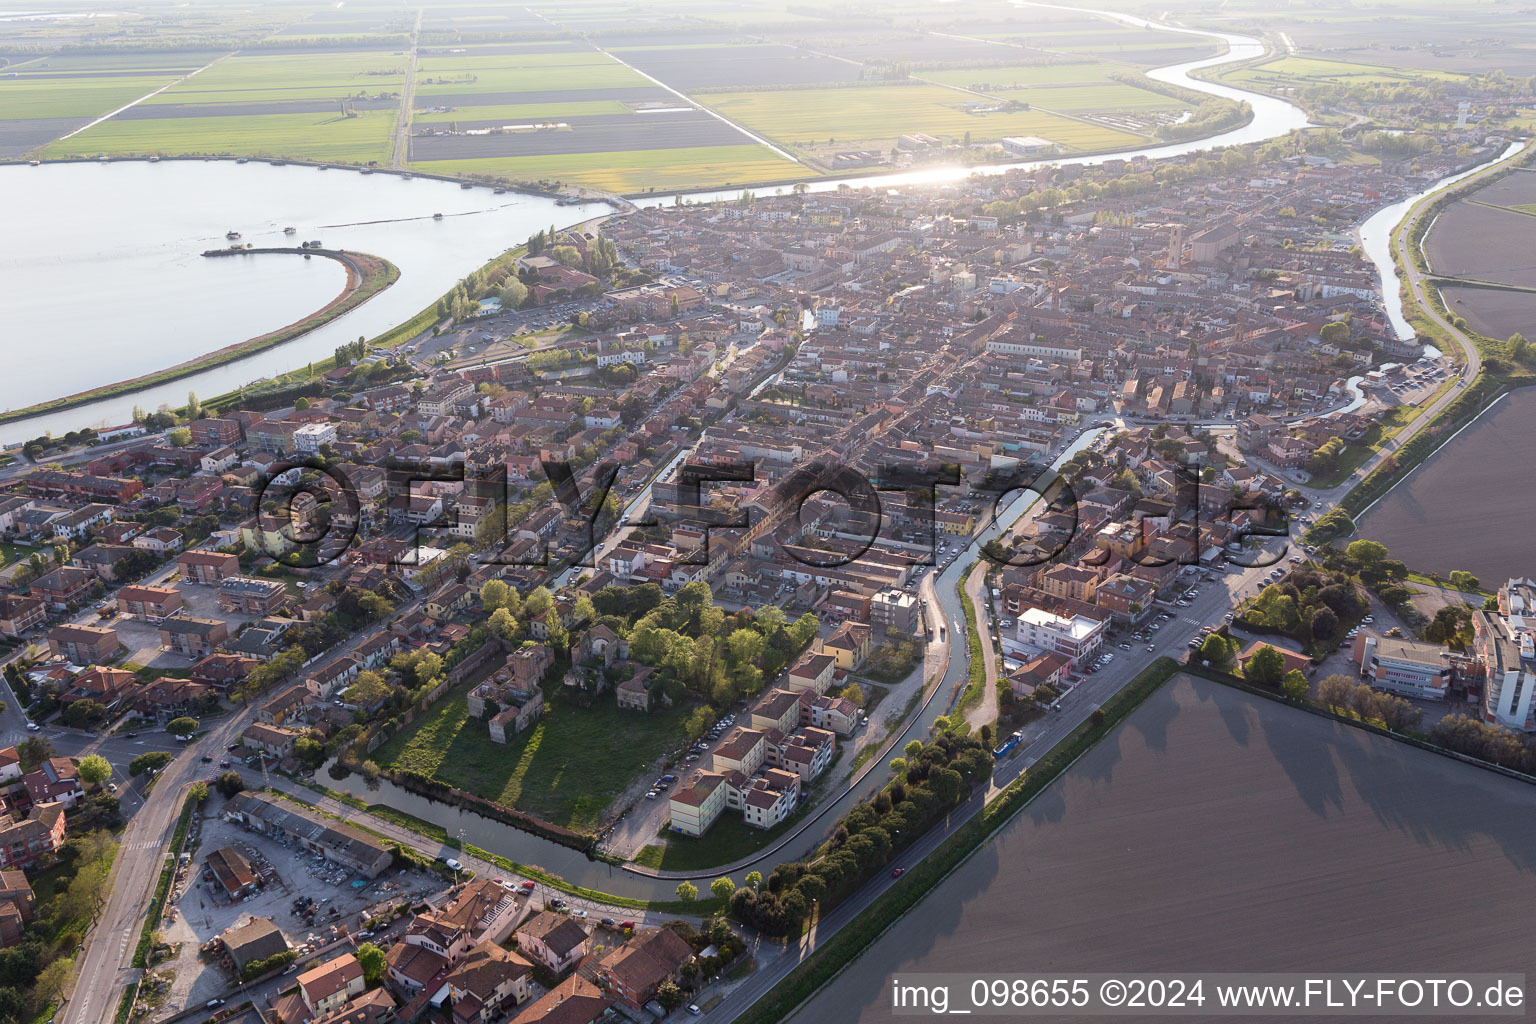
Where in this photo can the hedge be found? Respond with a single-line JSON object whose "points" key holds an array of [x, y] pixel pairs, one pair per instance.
{"points": [[163, 886]]}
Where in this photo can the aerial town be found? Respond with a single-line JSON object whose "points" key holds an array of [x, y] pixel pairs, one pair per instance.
{"points": [[691, 579]]}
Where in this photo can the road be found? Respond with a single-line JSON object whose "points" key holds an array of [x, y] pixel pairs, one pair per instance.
{"points": [[401, 150], [106, 964]]}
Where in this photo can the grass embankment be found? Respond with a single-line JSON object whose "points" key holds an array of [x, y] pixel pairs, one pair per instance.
{"points": [[293, 381], [565, 768], [1499, 374], [366, 277], [976, 684], [845, 947], [163, 886]]}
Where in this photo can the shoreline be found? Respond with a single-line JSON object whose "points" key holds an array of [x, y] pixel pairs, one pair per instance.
{"points": [[367, 276]]}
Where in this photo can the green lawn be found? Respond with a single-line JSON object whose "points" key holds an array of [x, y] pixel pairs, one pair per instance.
{"points": [[635, 170], [566, 768], [728, 840]]}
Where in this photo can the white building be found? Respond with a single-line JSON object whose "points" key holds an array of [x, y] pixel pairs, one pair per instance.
{"points": [[1074, 637], [1505, 644], [311, 436]]}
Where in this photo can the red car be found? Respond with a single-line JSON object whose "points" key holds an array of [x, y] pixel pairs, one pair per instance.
{"points": [[527, 887], [898, 872]]}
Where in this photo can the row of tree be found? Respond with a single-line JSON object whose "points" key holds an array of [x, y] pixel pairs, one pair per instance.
{"points": [[931, 779]]}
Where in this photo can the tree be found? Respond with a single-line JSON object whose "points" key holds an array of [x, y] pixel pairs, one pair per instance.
{"points": [[1266, 666], [182, 727], [1463, 580], [82, 714], [94, 769], [669, 995], [1335, 333], [501, 624], [370, 688], [754, 879], [372, 959], [1334, 691], [513, 294], [687, 892], [722, 888], [853, 692], [197, 792], [152, 760], [228, 784], [1218, 650], [1294, 685], [1324, 623], [194, 406], [53, 981], [33, 752], [1366, 552]]}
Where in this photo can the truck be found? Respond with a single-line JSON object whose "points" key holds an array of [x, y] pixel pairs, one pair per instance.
{"points": [[1007, 745]]}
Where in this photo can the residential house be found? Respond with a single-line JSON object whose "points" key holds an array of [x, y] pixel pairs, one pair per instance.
{"points": [[194, 638], [83, 645], [558, 941], [328, 987], [56, 780], [34, 840], [151, 604], [207, 567]]}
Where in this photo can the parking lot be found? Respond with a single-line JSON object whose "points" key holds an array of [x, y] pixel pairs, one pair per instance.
{"points": [[200, 910]]}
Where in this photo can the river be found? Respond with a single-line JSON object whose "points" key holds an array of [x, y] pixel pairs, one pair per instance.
{"points": [[102, 269], [1272, 118], [1375, 234]]}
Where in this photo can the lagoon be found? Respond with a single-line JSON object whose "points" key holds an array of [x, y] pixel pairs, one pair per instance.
{"points": [[104, 280]]}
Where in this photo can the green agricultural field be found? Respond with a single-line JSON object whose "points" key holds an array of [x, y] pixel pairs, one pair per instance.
{"points": [[566, 768], [307, 136], [635, 171], [519, 113], [542, 72], [858, 116], [176, 60], [72, 97], [1298, 70], [1020, 76], [1110, 97], [258, 78]]}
